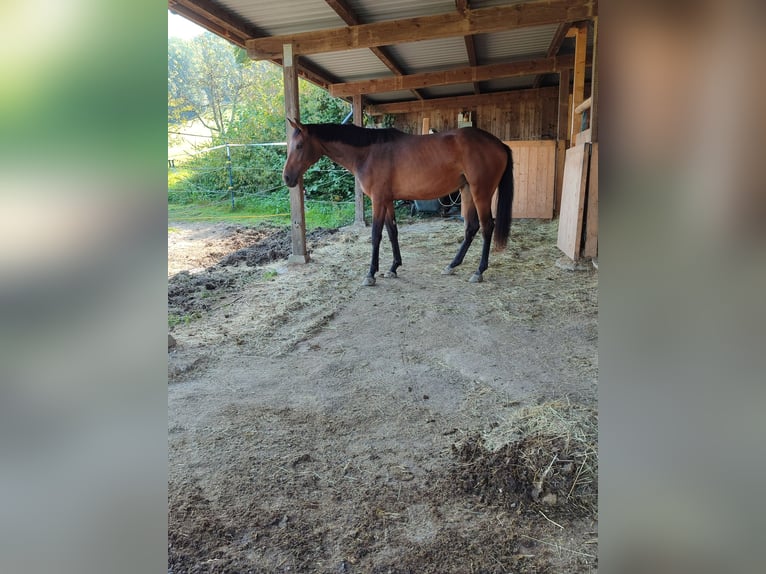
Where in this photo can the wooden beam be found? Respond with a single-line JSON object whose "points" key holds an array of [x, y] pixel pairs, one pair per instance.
{"points": [[480, 21], [299, 254], [348, 15], [358, 109], [215, 19], [454, 76], [594, 87], [456, 102], [470, 44], [578, 87], [585, 105], [563, 120], [561, 137], [554, 47]]}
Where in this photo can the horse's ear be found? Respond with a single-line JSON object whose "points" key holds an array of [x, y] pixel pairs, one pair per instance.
{"points": [[296, 124]]}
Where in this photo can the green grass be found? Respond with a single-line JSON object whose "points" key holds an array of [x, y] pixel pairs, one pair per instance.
{"points": [[273, 208], [186, 204]]}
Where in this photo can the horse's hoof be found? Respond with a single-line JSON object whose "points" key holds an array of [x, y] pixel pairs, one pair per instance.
{"points": [[391, 275], [369, 281], [448, 270], [476, 278]]}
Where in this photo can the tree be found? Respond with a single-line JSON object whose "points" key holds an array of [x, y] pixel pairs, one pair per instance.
{"points": [[205, 81]]}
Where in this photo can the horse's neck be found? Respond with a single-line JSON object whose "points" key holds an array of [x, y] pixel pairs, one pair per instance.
{"points": [[344, 154]]}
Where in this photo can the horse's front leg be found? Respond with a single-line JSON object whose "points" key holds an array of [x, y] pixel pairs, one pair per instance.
{"points": [[377, 233], [393, 236]]}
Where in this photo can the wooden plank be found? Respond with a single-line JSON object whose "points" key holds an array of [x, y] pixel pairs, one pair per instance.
{"points": [[578, 86], [573, 200], [499, 98], [533, 169], [585, 105], [583, 137], [563, 120], [469, 22], [462, 75], [298, 254], [591, 213], [357, 107], [561, 148]]}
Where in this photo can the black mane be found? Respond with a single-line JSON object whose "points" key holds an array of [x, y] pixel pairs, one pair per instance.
{"points": [[353, 135]]}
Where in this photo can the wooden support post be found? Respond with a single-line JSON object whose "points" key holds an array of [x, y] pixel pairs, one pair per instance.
{"points": [[292, 111], [358, 110], [594, 86], [578, 88], [562, 135]]}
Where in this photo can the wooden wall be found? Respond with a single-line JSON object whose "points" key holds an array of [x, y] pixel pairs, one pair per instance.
{"points": [[534, 174], [528, 115]]}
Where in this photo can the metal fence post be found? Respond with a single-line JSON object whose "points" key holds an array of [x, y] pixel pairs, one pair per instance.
{"points": [[231, 182]]}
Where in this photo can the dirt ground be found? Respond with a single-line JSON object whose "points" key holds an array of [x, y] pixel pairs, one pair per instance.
{"points": [[316, 425]]}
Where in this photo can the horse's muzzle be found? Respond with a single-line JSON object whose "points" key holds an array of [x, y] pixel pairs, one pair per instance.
{"points": [[290, 180]]}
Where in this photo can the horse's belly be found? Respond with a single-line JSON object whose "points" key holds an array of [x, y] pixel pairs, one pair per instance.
{"points": [[429, 186]]}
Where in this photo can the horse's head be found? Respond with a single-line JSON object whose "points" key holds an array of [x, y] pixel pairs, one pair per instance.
{"points": [[303, 151]]}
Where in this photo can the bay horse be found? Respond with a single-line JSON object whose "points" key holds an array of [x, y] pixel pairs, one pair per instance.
{"points": [[390, 164]]}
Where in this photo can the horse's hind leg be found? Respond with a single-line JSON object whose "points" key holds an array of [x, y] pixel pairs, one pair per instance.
{"points": [[487, 227], [471, 218], [393, 236]]}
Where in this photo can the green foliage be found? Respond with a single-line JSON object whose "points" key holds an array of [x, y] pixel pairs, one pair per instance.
{"points": [[242, 102]]}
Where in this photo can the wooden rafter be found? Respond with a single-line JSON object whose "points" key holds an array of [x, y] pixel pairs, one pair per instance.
{"points": [[215, 18], [578, 83], [349, 17], [555, 46], [470, 44], [455, 101], [483, 20], [454, 76]]}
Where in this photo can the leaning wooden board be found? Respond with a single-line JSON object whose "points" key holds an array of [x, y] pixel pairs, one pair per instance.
{"points": [[534, 174], [573, 200], [591, 209]]}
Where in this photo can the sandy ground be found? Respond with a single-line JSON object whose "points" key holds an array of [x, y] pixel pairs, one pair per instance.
{"points": [[316, 425]]}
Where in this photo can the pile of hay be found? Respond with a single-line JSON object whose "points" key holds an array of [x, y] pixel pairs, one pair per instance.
{"points": [[543, 458]]}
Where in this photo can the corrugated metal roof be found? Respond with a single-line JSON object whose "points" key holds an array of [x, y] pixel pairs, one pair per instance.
{"points": [[296, 16], [286, 17], [523, 42], [447, 91], [370, 11], [352, 65], [431, 55]]}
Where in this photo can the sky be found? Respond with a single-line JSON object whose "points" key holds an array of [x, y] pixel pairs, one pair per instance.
{"points": [[180, 27]]}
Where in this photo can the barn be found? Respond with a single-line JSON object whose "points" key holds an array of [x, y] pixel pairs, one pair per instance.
{"points": [[428, 424], [523, 71]]}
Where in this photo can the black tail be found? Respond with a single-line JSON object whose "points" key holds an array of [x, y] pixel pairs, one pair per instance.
{"points": [[504, 202]]}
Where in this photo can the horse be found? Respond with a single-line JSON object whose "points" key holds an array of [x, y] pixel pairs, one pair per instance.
{"points": [[390, 164]]}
